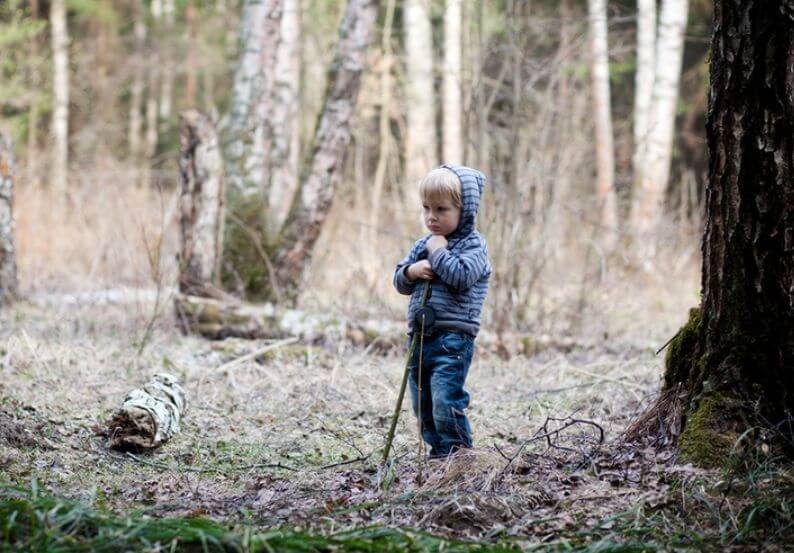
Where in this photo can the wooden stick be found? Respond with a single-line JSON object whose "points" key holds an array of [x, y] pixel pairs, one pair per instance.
{"points": [[254, 354]]}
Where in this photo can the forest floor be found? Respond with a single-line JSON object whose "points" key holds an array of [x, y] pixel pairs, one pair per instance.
{"points": [[292, 441]]}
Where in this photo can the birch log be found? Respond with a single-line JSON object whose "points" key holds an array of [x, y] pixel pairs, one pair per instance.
{"points": [[8, 265], [201, 204], [149, 416], [605, 151]]}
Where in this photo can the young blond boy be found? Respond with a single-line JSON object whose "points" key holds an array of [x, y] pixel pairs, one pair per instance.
{"points": [[453, 259]]}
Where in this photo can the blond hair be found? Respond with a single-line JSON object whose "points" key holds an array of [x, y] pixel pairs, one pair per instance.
{"points": [[441, 184]]}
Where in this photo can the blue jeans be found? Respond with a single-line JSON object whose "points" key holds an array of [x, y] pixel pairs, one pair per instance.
{"points": [[445, 363]]}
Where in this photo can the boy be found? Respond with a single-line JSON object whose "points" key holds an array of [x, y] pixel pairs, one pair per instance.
{"points": [[453, 258]]}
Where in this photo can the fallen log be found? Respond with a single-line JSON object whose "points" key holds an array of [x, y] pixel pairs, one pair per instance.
{"points": [[149, 416]]}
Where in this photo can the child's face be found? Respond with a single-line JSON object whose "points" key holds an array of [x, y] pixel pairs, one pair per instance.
{"points": [[441, 216]]}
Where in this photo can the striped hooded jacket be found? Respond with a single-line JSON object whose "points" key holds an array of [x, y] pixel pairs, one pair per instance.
{"points": [[462, 268]]}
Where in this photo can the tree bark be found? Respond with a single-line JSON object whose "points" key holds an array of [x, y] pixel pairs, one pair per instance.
{"points": [[643, 90], [605, 150], [8, 265], [659, 142], [329, 147], [136, 91], [284, 154], [60, 110], [201, 205], [733, 361], [420, 140], [453, 75]]}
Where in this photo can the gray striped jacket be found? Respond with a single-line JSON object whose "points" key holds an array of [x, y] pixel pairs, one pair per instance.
{"points": [[462, 269]]}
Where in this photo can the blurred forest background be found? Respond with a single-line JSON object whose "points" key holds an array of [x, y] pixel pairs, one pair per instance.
{"points": [[548, 98]]}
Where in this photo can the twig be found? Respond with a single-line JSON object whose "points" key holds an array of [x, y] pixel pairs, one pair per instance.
{"points": [[254, 354]]}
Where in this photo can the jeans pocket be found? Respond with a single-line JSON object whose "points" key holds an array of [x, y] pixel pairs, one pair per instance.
{"points": [[453, 343]]}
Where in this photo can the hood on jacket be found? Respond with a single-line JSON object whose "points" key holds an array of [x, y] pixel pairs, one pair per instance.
{"points": [[472, 183]]}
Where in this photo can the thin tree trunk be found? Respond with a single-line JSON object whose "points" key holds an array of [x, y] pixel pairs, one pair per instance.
{"points": [[191, 86], [167, 78], [730, 368], [453, 74], [643, 90], [284, 155], [201, 204], [605, 150], [33, 116], [384, 124], [60, 115], [659, 144], [136, 96], [330, 144], [251, 103], [8, 264], [420, 141]]}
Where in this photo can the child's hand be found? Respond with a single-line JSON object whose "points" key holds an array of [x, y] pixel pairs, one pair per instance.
{"points": [[436, 242], [420, 270]]}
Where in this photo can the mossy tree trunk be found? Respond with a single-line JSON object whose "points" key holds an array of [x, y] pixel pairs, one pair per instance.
{"points": [[733, 361], [267, 267], [8, 264]]}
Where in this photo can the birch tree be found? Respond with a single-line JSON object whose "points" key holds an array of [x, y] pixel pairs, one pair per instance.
{"points": [[8, 264], [420, 140], [60, 108], [643, 90], [136, 89], [452, 131], [605, 151], [284, 155], [659, 142]]}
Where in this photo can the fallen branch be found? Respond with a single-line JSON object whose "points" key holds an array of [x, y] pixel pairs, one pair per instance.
{"points": [[254, 354]]}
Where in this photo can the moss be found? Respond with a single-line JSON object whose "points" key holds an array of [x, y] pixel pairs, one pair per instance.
{"points": [[708, 436], [244, 242], [680, 358], [529, 346]]}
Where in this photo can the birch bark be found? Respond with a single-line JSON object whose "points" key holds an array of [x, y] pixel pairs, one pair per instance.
{"points": [[60, 114], [8, 264], [646, 43], [452, 106]]}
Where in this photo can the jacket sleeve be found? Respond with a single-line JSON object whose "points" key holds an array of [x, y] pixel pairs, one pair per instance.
{"points": [[460, 269], [401, 282]]}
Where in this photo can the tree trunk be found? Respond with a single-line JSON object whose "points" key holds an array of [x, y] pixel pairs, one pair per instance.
{"points": [[329, 147], [420, 140], [8, 264], [60, 110], [284, 155], [136, 91], [659, 142], [191, 85], [201, 204], [643, 90], [732, 363], [35, 77], [150, 416], [251, 97], [453, 75], [247, 138], [605, 151]]}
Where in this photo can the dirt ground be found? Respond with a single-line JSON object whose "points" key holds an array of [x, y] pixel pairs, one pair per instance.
{"points": [[294, 439]]}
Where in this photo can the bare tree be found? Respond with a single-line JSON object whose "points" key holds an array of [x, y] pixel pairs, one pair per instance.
{"points": [[420, 140], [251, 103], [452, 141], [285, 153], [729, 368], [8, 265], [659, 142], [329, 147], [605, 151], [646, 43], [60, 110]]}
